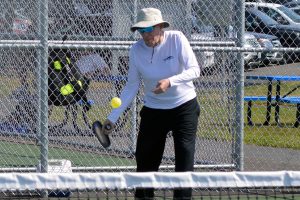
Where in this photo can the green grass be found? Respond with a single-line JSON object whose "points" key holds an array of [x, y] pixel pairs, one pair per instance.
{"points": [[7, 85], [261, 89], [215, 118], [285, 136]]}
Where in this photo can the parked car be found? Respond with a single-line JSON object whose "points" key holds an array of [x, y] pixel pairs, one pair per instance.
{"points": [[251, 59], [204, 33], [279, 13], [292, 4], [16, 23], [207, 34], [257, 21], [269, 42]]}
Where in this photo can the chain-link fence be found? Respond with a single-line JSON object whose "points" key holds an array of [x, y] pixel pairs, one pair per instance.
{"points": [[63, 60]]}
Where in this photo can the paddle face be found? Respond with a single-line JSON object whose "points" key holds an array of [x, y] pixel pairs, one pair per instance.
{"points": [[103, 139]]}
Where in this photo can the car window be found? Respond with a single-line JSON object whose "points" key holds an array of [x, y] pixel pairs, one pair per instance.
{"points": [[251, 21], [249, 18], [290, 13], [270, 12], [263, 17], [274, 15]]}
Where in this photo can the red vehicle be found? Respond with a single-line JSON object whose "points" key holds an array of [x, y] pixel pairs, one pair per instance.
{"points": [[15, 23], [21, 26]]}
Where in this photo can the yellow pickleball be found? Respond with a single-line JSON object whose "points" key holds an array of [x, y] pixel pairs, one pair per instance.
{"points": [[66, 89], [115, 102], [57, 65]]}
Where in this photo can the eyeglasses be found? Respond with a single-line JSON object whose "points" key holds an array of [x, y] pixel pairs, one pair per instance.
{"points": [[145, 30]]}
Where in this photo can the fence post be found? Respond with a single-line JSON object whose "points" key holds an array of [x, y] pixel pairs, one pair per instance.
{"points": [[43, 84], [239, 93]]}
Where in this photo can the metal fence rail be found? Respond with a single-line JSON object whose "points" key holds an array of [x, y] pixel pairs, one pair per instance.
{"points": [[34, 130]]}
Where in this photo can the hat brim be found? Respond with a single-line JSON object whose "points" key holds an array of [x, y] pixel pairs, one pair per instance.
{"points": [[144, 24]]}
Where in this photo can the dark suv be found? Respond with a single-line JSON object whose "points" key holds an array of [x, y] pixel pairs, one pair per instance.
{"points": [[257, 21], [292, 4]]}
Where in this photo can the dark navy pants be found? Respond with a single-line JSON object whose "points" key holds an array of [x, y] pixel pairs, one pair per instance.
{"points": [[154, 127]]}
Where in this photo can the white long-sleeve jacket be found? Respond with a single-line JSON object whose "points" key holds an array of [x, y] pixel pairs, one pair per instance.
{"points": [[172, 59]]}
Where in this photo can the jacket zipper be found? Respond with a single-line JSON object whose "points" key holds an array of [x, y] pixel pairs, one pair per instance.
{"points": [[152, 55]]}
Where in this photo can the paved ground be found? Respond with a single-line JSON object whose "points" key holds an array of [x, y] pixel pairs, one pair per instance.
{"points": [[267, 158], [291, 69], [270, 159]]}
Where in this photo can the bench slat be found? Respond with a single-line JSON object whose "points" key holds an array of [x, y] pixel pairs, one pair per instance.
{"points": [[256, 98], [291, 99]]}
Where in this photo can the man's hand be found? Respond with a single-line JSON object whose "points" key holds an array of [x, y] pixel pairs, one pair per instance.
{"points": [[162, 86], [108, 127]]}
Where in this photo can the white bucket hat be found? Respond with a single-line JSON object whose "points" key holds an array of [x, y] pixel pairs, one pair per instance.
{"points": [[149, 17]]}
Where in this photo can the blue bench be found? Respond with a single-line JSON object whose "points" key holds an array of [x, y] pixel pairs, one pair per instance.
{"points": [[287, 99], [250, 99]]}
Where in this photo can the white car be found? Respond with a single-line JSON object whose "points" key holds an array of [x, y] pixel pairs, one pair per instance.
{"points": [[279, 13], [251, 59], [268, 42], [206, 36]]}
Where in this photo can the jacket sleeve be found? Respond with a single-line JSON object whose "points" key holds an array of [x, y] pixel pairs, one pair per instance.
{"points": [[130, 90], [188, 60]]}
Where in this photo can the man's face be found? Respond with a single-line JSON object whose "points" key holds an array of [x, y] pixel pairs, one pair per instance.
{"points": [[150, 35]]}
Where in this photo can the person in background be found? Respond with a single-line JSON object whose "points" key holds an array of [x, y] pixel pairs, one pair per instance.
{"points": [[92, 66], [166, 63]]}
